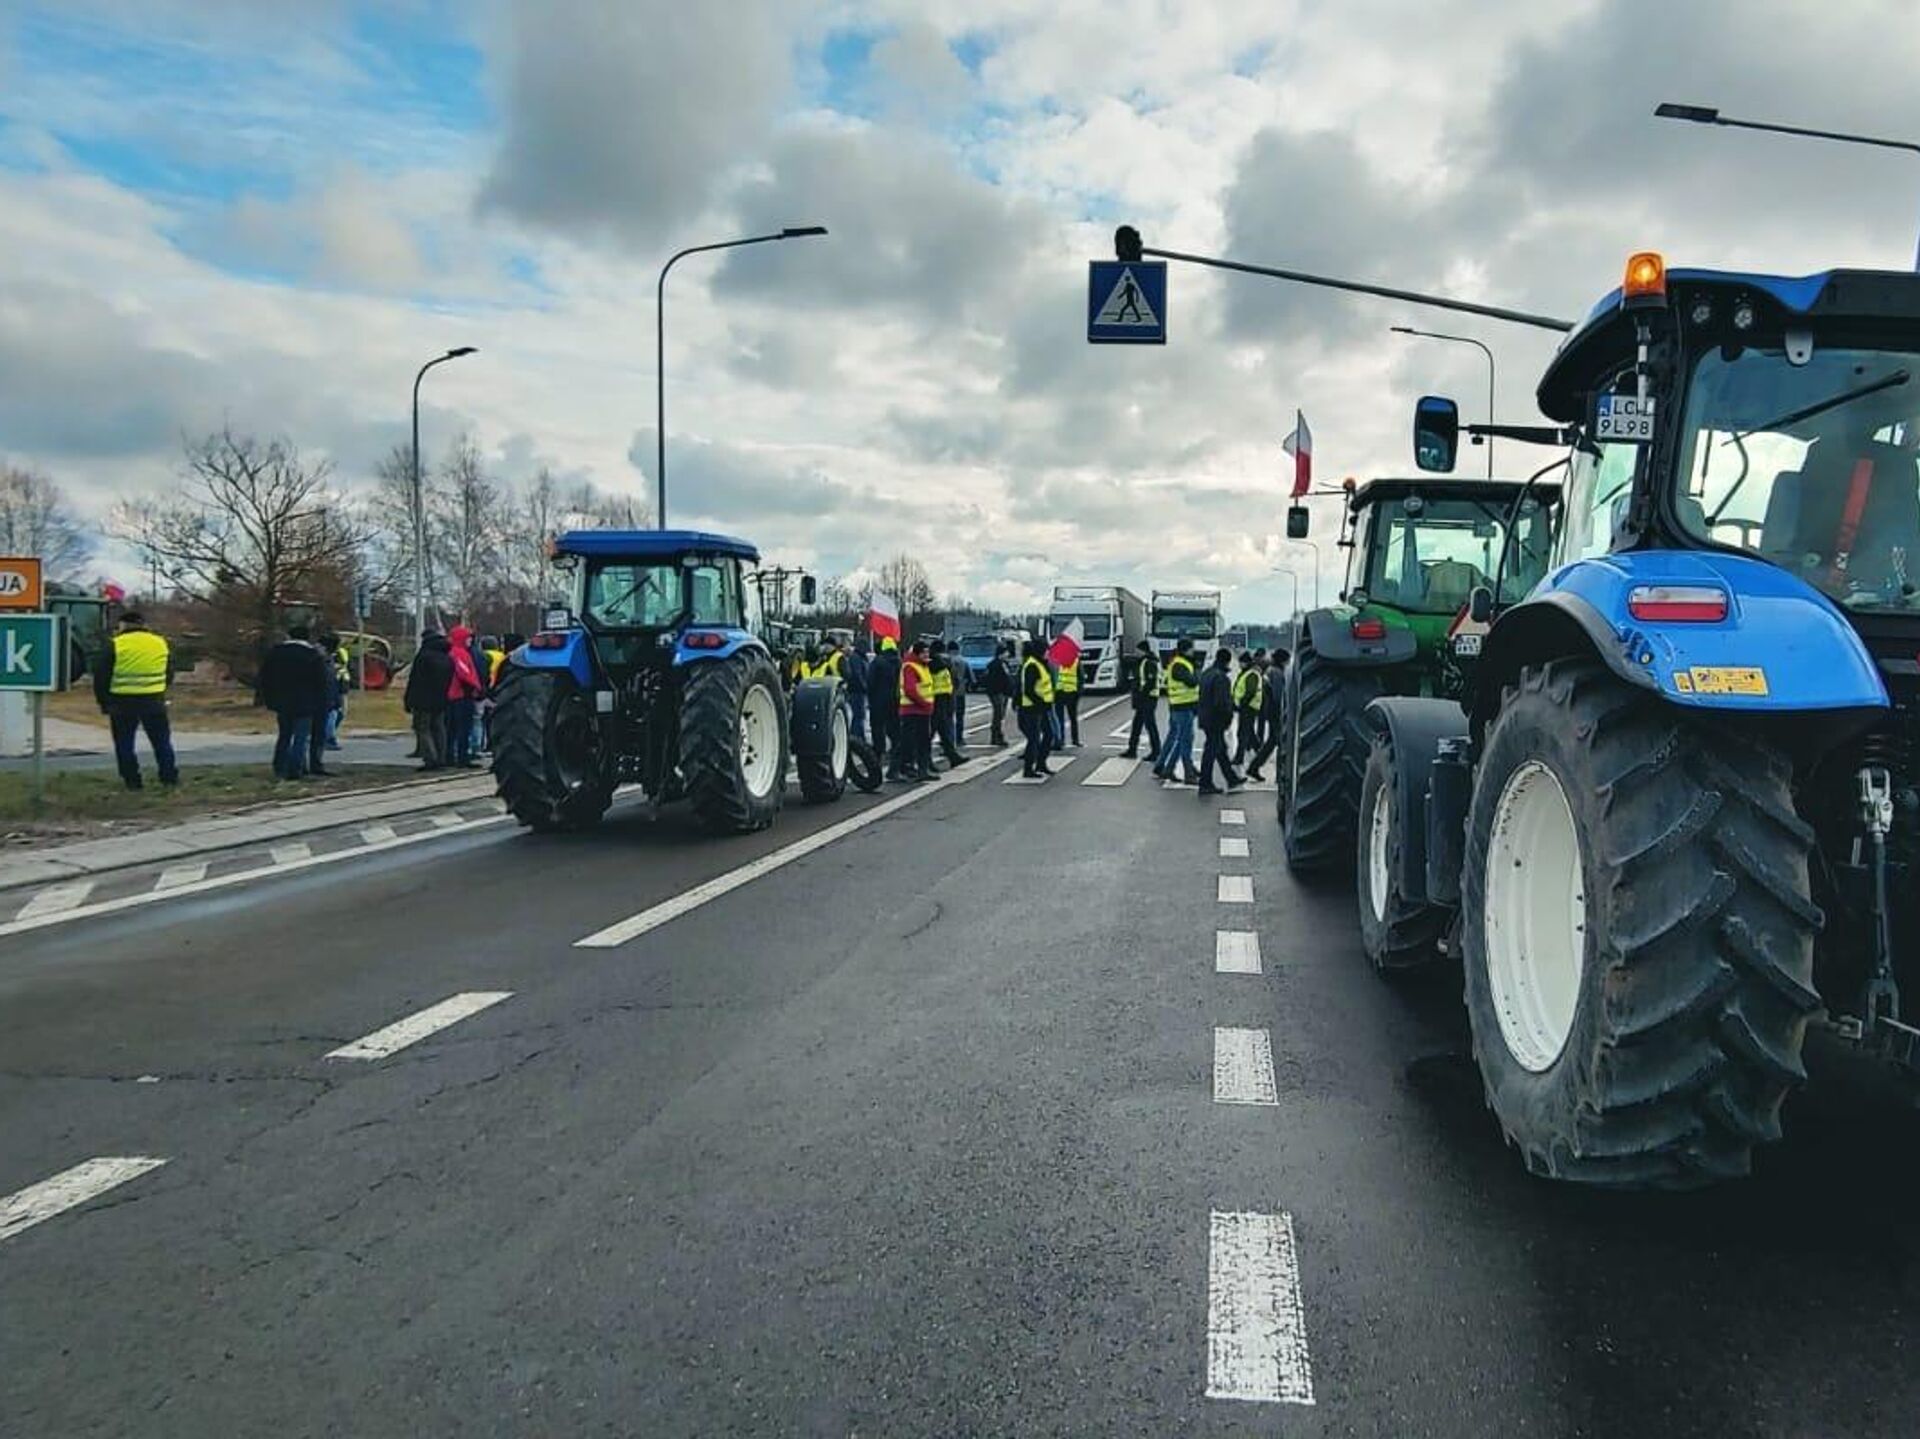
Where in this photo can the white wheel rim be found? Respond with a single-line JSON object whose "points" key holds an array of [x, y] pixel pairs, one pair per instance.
{"points": [[841, 744], [1377, 834], [759, 741], [1535, 916]]}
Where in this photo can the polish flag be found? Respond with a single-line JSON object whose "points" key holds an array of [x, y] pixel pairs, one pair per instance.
{"points": [[1299, 444], [1065, 649], [883, 616]]}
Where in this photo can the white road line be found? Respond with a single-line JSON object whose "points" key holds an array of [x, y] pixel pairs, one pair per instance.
{"points": [[86, 1180], [291, 853], [175, 875], [1233, 816], [245, 876], [1235, 889], [631, 928], [1233, 846], [1055, 759], [378, 833], [1243, 1067], [1236, 951], [416, 1027], [56, 899], [446, 821], [1256, 1323], [1114, 771], [1122, 732]]}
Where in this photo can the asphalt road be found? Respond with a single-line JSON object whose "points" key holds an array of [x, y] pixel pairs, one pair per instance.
{"points": [[918, 1132]]}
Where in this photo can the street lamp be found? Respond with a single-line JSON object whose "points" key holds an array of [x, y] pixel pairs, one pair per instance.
{"points": [[419, 501], [1464, 340], [1708, 115], [792, 232]]}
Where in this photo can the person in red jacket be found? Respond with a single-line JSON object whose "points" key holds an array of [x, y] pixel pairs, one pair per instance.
{"points": [[464, 692], [916, 714]]}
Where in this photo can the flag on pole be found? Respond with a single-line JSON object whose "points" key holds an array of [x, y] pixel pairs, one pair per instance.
{"points": [[883, 616], [1299, 444], [1065, 649]]}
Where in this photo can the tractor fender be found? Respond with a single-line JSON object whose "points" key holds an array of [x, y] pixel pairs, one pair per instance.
{"points": [[574, 655], [1332, 634], [1784, 649], [811, 709], [1415, 728]]}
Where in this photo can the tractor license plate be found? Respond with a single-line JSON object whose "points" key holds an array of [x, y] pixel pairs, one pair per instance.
{"points": [[1467, 646], [1626, 419], [1721, 680]]}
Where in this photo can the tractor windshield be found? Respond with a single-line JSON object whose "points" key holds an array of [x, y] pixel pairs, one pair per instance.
{"points": [[1812, 467], [1429, 555], [625, 595]]}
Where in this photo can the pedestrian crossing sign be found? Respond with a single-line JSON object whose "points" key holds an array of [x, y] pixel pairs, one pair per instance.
{"points": [[1127, 302]]}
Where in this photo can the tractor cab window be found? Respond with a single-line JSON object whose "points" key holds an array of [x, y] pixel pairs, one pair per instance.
{"points": [[1598, 491], [714, 593], [1429, 555], [633, 596], [1813, 467]]}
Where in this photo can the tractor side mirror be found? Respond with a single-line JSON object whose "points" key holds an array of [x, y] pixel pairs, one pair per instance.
{"points": [[1297, 522], [1436, 433], [1480, 605], [809, 589]]}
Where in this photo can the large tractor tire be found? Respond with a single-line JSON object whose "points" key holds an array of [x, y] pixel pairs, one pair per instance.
{"points": [[547, 757], [863, 767], [1319, 790], [733, 742], [1637, 933], [1398, 934], [821, 732]]}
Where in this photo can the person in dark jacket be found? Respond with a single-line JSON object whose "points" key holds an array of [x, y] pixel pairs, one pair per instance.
{"points": [[1271, 716], [293, 684], [1215, 717], [1036, 709], [320, 739], [957, 667], [883, 694], [999, 686], [1146, 704], [429, 679], [859, 670]]}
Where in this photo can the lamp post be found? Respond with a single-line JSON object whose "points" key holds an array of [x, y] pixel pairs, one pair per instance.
{"points": [[1463, 340], [1709, 115], [419, 499], [792, 232]]}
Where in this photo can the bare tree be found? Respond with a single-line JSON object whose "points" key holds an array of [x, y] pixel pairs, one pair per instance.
{"points": [[390, 528], [464, 513], [905, 579], [35, 520], [588, 507]]}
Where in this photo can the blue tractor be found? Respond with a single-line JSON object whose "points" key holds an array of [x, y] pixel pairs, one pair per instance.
{"points": [[1672, 825], [653, 674]]}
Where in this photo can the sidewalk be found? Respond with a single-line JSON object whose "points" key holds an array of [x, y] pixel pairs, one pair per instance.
{"points": [[84, 746], [262, 824]]}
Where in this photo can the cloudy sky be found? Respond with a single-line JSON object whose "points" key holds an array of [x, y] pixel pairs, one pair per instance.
{"points": [[272, 212]]}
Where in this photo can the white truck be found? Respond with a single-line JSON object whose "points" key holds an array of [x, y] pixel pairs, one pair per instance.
{"points": [[1113, 621], [1193, 613]]}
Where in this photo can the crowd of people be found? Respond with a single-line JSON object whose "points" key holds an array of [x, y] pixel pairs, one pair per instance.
{"points": [[450, 695]]}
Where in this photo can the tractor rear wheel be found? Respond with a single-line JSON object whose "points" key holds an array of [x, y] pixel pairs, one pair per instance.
{"points": [[1637, 933], [547, 756], [1323, 759], [1398, 934], [733, 742]]}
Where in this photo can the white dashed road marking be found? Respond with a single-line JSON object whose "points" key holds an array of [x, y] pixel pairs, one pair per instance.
{"points": [[416, 1027], [1057, 760], [1233, 847], [1256, 1323], [1236, 889], [56, 899], [86, 1180], [1243, 1067], [176, 875], [1233, 816], [291, 853], [1236, 951], [376, 833], [1114, 771]]}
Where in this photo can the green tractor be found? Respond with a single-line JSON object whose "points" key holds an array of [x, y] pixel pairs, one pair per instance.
{"points": [[1417, 549]]}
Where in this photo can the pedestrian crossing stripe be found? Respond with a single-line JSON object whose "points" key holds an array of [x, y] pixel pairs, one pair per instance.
{"points": [[1126, 305]]}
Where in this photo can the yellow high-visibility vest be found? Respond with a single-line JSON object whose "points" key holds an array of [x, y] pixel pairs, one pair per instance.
{"points": [[1246, 690], [1044, 684], [926, 680], [139, 664], [942, 682], [1070, 678], [1182, 691], [829, 668]]}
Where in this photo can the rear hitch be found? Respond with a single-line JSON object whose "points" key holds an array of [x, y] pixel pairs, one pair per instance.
{"points": [[1878, 1027]]}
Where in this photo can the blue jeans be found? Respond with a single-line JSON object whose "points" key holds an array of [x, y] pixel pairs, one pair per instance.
{"points": [[1179, 744], [460, 732], [291, 745], [857, 713]]}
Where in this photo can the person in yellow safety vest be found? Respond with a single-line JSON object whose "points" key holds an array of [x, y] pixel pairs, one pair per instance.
{"points": [[1036, 710], [1146, 705], [832, 663], [1183, 696], [943, 726], [914, 750], [130, 684], [1249, 698], [1066, 701]]}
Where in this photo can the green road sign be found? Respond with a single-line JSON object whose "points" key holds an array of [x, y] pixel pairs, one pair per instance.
{"points": [[33, 652]]}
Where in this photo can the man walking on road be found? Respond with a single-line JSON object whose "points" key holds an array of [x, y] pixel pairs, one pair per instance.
{"points": [[293, 684], [883, 691], [428, 680], [942, 686], [914, 753], [1036, 711], [1216, 716], [1067, 704], [130, 685], [1272, 690], [1183, 694], [1248, 694], [999, 685], [1146, 705]]}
